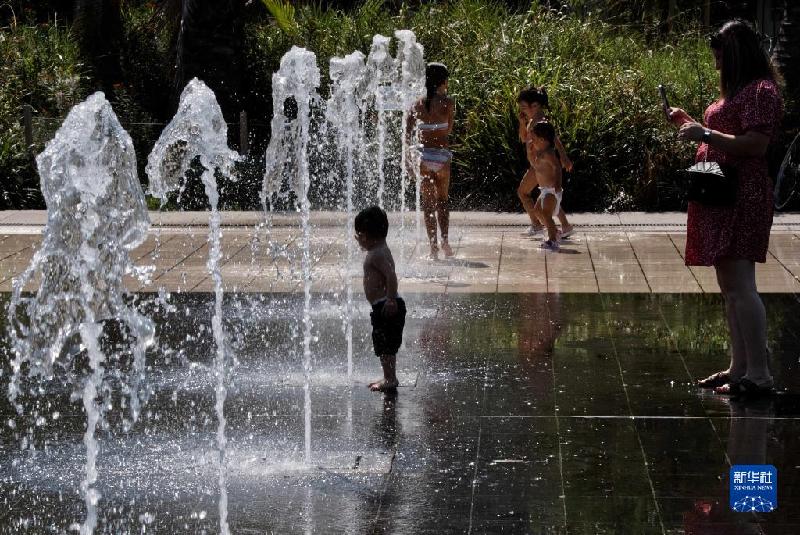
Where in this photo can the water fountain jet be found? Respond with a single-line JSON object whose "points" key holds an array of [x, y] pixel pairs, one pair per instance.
{"points": [[295, 84], [198, 135], [96, 214]]}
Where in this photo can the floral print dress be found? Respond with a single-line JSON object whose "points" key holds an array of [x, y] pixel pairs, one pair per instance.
{"points": [[742, 230]]}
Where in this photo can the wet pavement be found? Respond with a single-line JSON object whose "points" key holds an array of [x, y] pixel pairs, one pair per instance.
{"points": [[518, 413]]}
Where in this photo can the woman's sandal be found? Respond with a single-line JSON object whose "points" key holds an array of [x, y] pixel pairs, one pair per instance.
{"points": [[715, 379], [745, 388]]}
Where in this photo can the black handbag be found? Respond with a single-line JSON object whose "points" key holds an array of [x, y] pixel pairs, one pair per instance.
{"points": [[712, 184]]}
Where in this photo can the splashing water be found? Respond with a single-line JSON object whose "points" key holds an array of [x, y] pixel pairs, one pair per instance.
{"points": [[296, 84], [96, 214], [198, 135], [363, 97], [621, 201], [381, 73], [411, 87], [394, 84], [343, 112]]}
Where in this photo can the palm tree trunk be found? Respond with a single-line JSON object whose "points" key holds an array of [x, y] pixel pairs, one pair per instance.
{"points": [[98, 27], [208, 48], [672, 11]]}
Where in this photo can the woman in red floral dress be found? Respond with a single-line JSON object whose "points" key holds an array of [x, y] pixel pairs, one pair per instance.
{"points": [[738, 128]]}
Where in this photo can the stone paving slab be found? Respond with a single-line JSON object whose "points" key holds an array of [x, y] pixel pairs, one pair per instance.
{"points": [[610, 253]]}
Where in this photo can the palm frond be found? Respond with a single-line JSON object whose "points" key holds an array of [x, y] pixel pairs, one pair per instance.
{"points": [[283, 13]]}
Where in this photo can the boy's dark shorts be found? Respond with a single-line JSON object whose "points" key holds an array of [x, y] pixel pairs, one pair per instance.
{"points": [[387, 331]]}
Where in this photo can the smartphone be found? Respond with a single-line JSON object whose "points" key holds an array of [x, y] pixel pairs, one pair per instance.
{"points": [[664, 102]]}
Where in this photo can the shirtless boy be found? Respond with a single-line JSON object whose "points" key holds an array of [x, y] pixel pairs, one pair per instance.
{"points": [[388, 314], [532, 103], [544, 160]]}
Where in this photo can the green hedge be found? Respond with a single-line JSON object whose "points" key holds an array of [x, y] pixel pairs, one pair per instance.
{"points": [[39, 66], [602, 81]]}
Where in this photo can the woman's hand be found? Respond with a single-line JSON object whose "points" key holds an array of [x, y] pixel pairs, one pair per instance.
{"points": [[691, 131], [679, 117]]}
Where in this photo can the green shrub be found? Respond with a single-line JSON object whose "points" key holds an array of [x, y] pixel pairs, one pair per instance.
{"points": [[602, 81], [601, 78], [39, 66]]}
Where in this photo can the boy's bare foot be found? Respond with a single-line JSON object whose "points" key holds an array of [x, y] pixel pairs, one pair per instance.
{"points": [[567, 230], [446, 249], [383, 385]]}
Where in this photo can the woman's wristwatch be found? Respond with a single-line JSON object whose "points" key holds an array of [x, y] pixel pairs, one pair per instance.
{"points": [[706, 135]]}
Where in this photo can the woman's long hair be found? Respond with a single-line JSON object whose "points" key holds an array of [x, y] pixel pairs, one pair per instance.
{"points": [[435, 75], [744, 58]]}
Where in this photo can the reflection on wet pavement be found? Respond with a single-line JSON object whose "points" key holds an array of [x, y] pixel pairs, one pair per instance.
{"points": [[520, 413]]}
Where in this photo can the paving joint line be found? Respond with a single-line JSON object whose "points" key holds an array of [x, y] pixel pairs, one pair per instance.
{"points": [[263, 269], [639, 262], [15, 253], [692, 380], [499, 263], [546, 276], [480, 432], [591, 261], [181, 261], [563, 496], [157, 245], [14, 274], [795, 277], [635, 429], [220, 265], [452, 267], [694, 275]]}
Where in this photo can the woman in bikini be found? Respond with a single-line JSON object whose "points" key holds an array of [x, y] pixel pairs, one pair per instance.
{"points": [[433, 117]]}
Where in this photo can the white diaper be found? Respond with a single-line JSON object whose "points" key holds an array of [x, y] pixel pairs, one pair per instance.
{"points": [[551, 191]]}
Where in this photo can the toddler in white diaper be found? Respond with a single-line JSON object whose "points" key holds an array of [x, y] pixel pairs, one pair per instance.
{"points": [[545, 162]]}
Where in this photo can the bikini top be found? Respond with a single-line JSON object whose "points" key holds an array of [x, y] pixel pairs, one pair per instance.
{"points": [[433, 126]]}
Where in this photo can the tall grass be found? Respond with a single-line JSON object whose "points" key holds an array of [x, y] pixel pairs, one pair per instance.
{"points": [[601, 78], [602, 82], [40, 66]]}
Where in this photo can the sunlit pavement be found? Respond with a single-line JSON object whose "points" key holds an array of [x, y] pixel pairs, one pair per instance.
{"points": [[541, 392], [626, 252]]}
